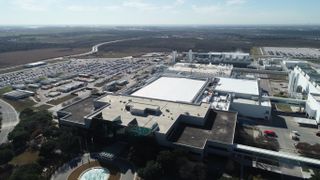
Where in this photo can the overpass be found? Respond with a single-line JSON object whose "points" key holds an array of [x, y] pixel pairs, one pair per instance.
{"points": [[273, 155], [290, 101]]}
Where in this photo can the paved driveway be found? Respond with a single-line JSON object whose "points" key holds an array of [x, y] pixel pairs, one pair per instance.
{"points": [[10, 119]]}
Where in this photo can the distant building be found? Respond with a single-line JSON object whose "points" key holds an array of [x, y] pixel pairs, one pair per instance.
{"points": [[71, 86], [18, 94], [35, 64], [235, 58], [174, 56], [202, 70], [19, 86], [190, 56]]}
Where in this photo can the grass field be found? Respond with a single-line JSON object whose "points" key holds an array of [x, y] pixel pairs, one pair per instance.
{"points": [[20, 105], [8, 59], [5, 90], [28, 157], [283, 107]]}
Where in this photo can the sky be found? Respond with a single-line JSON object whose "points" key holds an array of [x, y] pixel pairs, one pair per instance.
{"points": [[159, 12]]}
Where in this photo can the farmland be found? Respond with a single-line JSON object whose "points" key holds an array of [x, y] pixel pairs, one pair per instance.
{"points": [[8, 59]]}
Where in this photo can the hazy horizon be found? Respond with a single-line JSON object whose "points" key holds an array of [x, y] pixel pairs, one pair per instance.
{"points": [[158, 13]]}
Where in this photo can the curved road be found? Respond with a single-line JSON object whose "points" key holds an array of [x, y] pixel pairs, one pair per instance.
{"points": [[10, 119], [95, 48]]}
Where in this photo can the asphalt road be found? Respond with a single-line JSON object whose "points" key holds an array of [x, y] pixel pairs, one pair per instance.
{"points": [[10, 119]]}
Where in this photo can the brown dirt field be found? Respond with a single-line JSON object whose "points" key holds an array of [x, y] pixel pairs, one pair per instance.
{"points": [[114, 175], [22, 57]]}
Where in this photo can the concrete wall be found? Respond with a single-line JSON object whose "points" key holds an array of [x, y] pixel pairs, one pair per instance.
{"points": [[252, 110], [298, 78], [313, 108]]}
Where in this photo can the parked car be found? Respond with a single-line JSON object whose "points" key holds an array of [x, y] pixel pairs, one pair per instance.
{"points": [[295, 137], [269, 133], [295, 133]]}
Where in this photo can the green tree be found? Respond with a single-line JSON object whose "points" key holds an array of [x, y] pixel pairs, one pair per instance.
{"points": [[26, 172], [5, 155], [152, 171], [316, 175], [47, 149], [167, 159]]}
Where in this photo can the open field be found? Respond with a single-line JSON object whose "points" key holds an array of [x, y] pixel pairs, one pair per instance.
{"points": [[22, 45], [8, 59]]}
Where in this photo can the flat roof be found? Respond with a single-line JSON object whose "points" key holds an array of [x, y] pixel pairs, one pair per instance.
{"points": [[219, 127], [172, 89], [253, 102], [79, 110], [18, 93], [170, 111], [241, 86]]}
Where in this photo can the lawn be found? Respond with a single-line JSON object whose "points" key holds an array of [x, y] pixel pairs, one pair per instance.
{"points": [[27, 157], [20, 105], [283, 108], [5, 90]]}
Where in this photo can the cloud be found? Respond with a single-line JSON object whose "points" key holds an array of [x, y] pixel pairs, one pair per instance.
{"points": [[206, 9], [33, 5], [139, 4], [222, 7], [235, 2], [179, 2], [81, 8]]}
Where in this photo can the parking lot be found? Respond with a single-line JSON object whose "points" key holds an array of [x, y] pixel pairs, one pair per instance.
{"points": [[54, 81], [283, 125]]}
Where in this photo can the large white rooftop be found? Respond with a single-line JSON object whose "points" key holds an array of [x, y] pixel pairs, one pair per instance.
{"points": [[172, 89], [240, 86]]}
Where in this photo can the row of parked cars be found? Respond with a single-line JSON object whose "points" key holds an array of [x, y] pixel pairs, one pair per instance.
{"points": [[295, 135]]}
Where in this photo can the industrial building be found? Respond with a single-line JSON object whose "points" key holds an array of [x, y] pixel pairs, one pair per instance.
{"points": [[202, 70], [71, 86], [18, 94], [35, 64], [194, 127], [243, 96], [237, 59], [179, 111], [304, 81]]}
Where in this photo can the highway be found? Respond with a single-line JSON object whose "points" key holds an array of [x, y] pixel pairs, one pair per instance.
{"points": [[95, 48], [10, 119]]}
